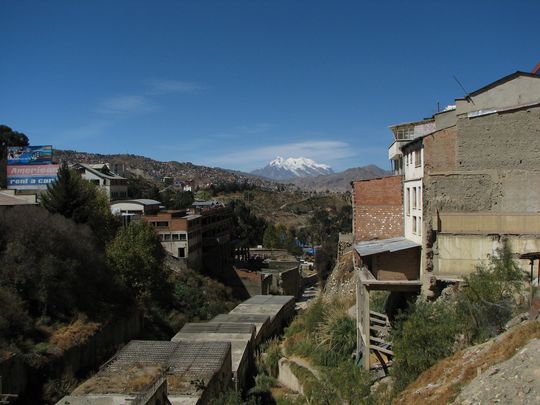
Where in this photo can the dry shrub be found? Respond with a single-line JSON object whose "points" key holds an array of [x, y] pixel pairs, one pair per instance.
{"points": [[73, 334]]}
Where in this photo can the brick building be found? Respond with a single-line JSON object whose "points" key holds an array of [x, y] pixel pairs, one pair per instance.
{"points": [[470, 181], [180, 235], [377, 208]]}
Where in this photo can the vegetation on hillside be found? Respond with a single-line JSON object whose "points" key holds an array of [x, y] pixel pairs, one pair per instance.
{"points": [[430, 331], [67, 265]]}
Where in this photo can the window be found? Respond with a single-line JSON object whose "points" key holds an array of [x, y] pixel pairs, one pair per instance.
{"points": [[167, 236], [162, 223], [419, 197], [417, 158], [408, 201], [414, 198], [182, 236], [181, 252], [419, 226], [414, 225], [175, 236]]}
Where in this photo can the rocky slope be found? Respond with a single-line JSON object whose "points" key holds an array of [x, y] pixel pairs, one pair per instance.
{"points": [[156, 170], [339, 182], [502, 370]]}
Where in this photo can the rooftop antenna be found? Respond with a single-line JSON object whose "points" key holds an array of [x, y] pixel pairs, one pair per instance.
{"points": [[467, 97]]}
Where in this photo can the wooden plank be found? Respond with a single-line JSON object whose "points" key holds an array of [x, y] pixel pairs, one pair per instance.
{"points": [[382, 350], [377, 328], [378, 314], [379, 321], [379, 340]]}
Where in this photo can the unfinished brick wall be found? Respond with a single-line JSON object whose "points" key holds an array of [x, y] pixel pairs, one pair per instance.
{"points": [[378, 208], [484, 164]]}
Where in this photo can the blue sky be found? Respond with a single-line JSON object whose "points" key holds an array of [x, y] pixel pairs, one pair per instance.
{"points": [[233, 83]]}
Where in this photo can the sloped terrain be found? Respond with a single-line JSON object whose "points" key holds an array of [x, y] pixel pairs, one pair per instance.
{"points": [[470, 376], [339, 182]]}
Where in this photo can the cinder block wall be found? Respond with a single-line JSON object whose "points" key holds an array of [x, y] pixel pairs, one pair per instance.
{"points": [[378, 208]]}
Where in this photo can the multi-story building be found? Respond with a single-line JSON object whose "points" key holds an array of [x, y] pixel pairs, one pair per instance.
{"points": [[101, 175], [470, 181], [216, 227], [180, 235]]}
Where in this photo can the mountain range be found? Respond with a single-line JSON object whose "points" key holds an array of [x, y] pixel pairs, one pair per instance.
{"points": [[204, 176], [291, 168], [340, 181]]}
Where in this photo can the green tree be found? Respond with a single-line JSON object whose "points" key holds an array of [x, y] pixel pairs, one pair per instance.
{"points": [[246, 225], [74, 198], [8, 137], [54, 265], [137, 257], [270, 238]]}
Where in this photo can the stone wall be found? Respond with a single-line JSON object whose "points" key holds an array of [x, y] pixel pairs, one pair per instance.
{"points": [[378, 208]]}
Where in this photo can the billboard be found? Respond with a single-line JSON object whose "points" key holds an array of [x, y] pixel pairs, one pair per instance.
{"points": [[31, 177], [29, 155]]}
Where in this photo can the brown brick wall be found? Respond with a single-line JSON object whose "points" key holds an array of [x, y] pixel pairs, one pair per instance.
{"points": [[378, 208], [440, 150]]}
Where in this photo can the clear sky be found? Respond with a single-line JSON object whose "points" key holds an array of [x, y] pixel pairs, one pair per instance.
{"points": [[233, 83]]}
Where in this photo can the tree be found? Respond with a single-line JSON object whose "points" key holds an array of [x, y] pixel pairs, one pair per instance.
{"points": [[8, 137], [54, 265], [74, 198], [137, 258], [270, 238]]}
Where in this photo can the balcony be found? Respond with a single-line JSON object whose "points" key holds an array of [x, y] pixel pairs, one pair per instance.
{"points": [[394, 151]]}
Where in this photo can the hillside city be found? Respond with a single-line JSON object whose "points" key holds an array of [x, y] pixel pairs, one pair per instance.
{"points": [[269, 202], [128, 280]]}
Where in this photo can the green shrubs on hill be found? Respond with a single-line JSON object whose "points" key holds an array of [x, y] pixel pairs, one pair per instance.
{"points": [[325, 335], [430, 331]]}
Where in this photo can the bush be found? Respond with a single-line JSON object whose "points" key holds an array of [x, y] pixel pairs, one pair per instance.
{"points": [[423, 335], [428, 331], [488, 299]]}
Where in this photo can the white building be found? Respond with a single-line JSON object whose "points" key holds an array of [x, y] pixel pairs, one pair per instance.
{"points": [[112, 184]]}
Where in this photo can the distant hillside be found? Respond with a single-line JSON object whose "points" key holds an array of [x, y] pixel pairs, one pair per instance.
{"points": [[155, 170], [339, 181]]}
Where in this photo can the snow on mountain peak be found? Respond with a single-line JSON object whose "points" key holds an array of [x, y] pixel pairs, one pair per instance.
{"points": [[282, 169]]}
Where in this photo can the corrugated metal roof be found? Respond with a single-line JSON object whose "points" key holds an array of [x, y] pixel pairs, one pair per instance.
{"points": [[372, 247]]}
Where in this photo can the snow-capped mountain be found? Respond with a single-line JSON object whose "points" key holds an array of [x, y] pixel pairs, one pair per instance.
{"points": [[290, 168]]}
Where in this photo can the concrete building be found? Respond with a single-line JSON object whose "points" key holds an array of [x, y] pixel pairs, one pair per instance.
{"points": [[241, 337], [484, 188], [9, 198], [216, 227], [180, 234], [114, 185], [158, 373], [260, 321], [139, 207], [280, 308], [470, 181]]}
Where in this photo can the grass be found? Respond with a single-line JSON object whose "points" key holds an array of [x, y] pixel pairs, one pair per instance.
{"points": [[459, 369]]}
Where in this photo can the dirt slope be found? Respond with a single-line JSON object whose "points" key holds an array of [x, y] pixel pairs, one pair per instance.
{"points": [[443, 382]]}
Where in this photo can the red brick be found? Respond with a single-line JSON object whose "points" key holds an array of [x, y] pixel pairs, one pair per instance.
{"points": [[378, 208]]}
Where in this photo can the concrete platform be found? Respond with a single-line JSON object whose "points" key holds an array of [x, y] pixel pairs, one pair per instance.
{"points": [[280, 308], [240, 336], [261, 322], [144, 371]]}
